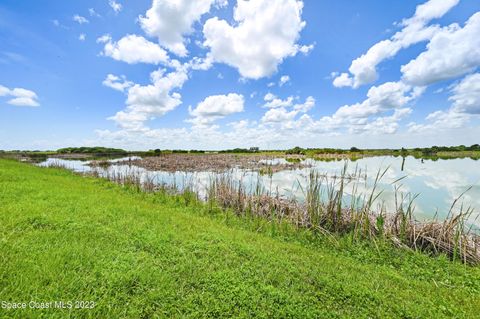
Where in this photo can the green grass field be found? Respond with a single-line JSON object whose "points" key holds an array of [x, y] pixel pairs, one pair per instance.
{"points": [[64, 237]]}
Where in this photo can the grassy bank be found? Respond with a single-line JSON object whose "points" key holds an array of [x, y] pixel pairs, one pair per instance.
{"points": [[65, 237]]}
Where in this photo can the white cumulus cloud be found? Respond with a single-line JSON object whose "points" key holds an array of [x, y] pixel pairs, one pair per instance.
{"points": [[170, 21], [274, 102], [147, 102], [465, 106], [466, 97], [278, 115], [263, 35], [439, 121], [19, 96], [285, 111], [4, 90], [453, 51], [216, 107], [363, 70], [366, 116], [118, 83], [133, 49], [342, 80]]}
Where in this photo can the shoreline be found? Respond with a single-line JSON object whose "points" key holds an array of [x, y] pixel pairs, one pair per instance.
{"points": [[169, 256], [452, 235]]}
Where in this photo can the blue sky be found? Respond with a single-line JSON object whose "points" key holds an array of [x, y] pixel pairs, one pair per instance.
{"points": [[213, 74]]}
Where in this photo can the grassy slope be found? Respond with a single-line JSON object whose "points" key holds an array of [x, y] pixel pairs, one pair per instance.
{"points": [[67, 237]]}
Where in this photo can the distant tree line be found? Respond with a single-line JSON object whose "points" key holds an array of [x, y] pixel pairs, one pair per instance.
{"points": [[425, 151], [303, 151], [460, 148], [91, 150], [234, 150], [295, 150]]}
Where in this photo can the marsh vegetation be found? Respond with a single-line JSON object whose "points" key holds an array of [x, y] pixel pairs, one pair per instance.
{"points": [[215, 162], [167, 253], [343, 202]]}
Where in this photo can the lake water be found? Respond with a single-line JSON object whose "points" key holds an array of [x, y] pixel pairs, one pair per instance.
{"points": [[437, 183]]}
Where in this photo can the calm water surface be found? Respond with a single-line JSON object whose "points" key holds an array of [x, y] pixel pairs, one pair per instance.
{"points": [[437, 183]]}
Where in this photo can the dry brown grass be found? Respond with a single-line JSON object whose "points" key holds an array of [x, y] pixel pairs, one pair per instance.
{"points": [[213, 163], [327, 209], [324, 211]]}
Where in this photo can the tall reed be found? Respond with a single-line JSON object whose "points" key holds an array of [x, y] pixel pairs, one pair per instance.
{"points": [[332, 204], [329, 207]]}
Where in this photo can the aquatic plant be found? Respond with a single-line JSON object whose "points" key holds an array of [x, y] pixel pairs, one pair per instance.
{"points": [[56, 164], [324, 210], [333, 204]]}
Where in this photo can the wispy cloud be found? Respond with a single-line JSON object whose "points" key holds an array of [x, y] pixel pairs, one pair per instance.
{"points": [[80, 19], [116, 6]]}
